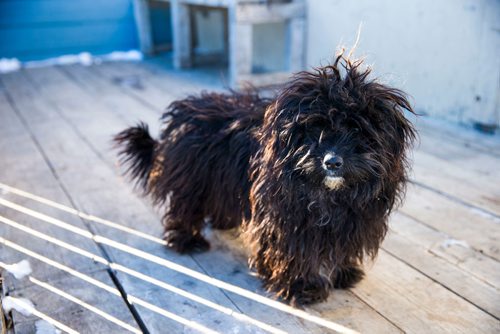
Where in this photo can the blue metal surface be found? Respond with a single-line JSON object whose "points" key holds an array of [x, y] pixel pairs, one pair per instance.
{"points": [[37, 29]]}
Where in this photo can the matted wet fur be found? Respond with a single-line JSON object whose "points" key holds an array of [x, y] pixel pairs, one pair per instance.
{"points": [[311, 175]]}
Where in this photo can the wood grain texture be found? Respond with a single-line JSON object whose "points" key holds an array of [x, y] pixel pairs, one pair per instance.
{"points": [[428, 251], [416, 303], [34, 172], [453, 218]]}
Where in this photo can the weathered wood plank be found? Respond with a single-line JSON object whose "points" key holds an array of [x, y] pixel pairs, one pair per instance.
{"points": [[414, 243], [447, 131], [459, 182], [75, 303], [479, 230], [457, 252], [133, 84], [34, 171], [158, 92], [20, 148], [461, 154], [416, 303], [160, 68], [418, 258]]}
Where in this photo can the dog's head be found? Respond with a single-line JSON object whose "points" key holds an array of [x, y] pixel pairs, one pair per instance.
{"points": [[336, 129]]}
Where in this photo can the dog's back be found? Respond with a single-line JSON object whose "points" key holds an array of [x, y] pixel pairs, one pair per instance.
{"points": [[200, 162]]}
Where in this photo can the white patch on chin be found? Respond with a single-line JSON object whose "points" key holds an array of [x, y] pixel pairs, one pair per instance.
{"points": [[333, 182]]}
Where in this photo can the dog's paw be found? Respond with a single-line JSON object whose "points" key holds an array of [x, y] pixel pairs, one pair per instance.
{"points": [[313, 290], [183, 242], [347, 277]]}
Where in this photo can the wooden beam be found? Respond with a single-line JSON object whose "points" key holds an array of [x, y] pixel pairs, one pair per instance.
{"points": [[181, 27], [143, 23]]}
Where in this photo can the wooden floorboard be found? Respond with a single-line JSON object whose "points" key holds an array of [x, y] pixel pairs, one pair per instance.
{"points": [[477, 229], [430, 252], [453, 180], [469, 159], [460, 136], [437, 271], [17, 242]]}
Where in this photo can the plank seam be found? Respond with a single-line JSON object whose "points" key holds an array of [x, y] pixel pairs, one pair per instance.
{"points": [[461, 142], [455, 199], [223, 292], [442, 232], [377, 311]]}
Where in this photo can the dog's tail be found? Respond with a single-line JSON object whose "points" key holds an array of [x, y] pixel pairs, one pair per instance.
{"points": [[137, 151]]}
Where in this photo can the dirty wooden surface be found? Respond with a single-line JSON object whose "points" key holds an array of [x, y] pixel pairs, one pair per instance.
{"points": [[100, 266]]}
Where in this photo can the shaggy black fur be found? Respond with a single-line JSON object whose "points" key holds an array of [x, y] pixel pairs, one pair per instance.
{"points": [[311, 175]]}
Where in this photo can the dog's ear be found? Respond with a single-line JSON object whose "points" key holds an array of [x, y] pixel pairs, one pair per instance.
{"points": [[384, 107], [392, 107]]}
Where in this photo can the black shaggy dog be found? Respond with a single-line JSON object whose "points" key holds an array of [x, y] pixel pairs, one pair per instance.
{"points": [[311, 175]]}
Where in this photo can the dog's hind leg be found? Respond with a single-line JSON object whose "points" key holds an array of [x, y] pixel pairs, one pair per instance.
{"points": [[183, 239], [183, 223]]}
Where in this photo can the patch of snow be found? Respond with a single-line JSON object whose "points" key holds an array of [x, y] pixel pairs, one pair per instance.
{"points": [[44, 327], [20, 269], [9, 65], [21, 305], [123, 55], [486, 215], [83, 58], [451, 242]]}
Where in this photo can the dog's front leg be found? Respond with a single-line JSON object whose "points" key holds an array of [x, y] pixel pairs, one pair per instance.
{"points": [[291, 269], [344, 277], [311, 288]]}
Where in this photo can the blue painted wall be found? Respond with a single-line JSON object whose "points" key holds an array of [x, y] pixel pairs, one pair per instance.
{"points": [[38, 29], [161, 23]]}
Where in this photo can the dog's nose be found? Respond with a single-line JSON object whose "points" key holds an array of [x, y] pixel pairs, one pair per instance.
{"points": [[333, 162]]}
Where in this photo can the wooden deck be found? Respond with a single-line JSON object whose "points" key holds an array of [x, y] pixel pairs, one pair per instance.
{"points": [[99, 265]]}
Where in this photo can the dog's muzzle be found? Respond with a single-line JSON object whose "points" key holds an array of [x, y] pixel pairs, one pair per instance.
{"points": [[332, 164]]}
